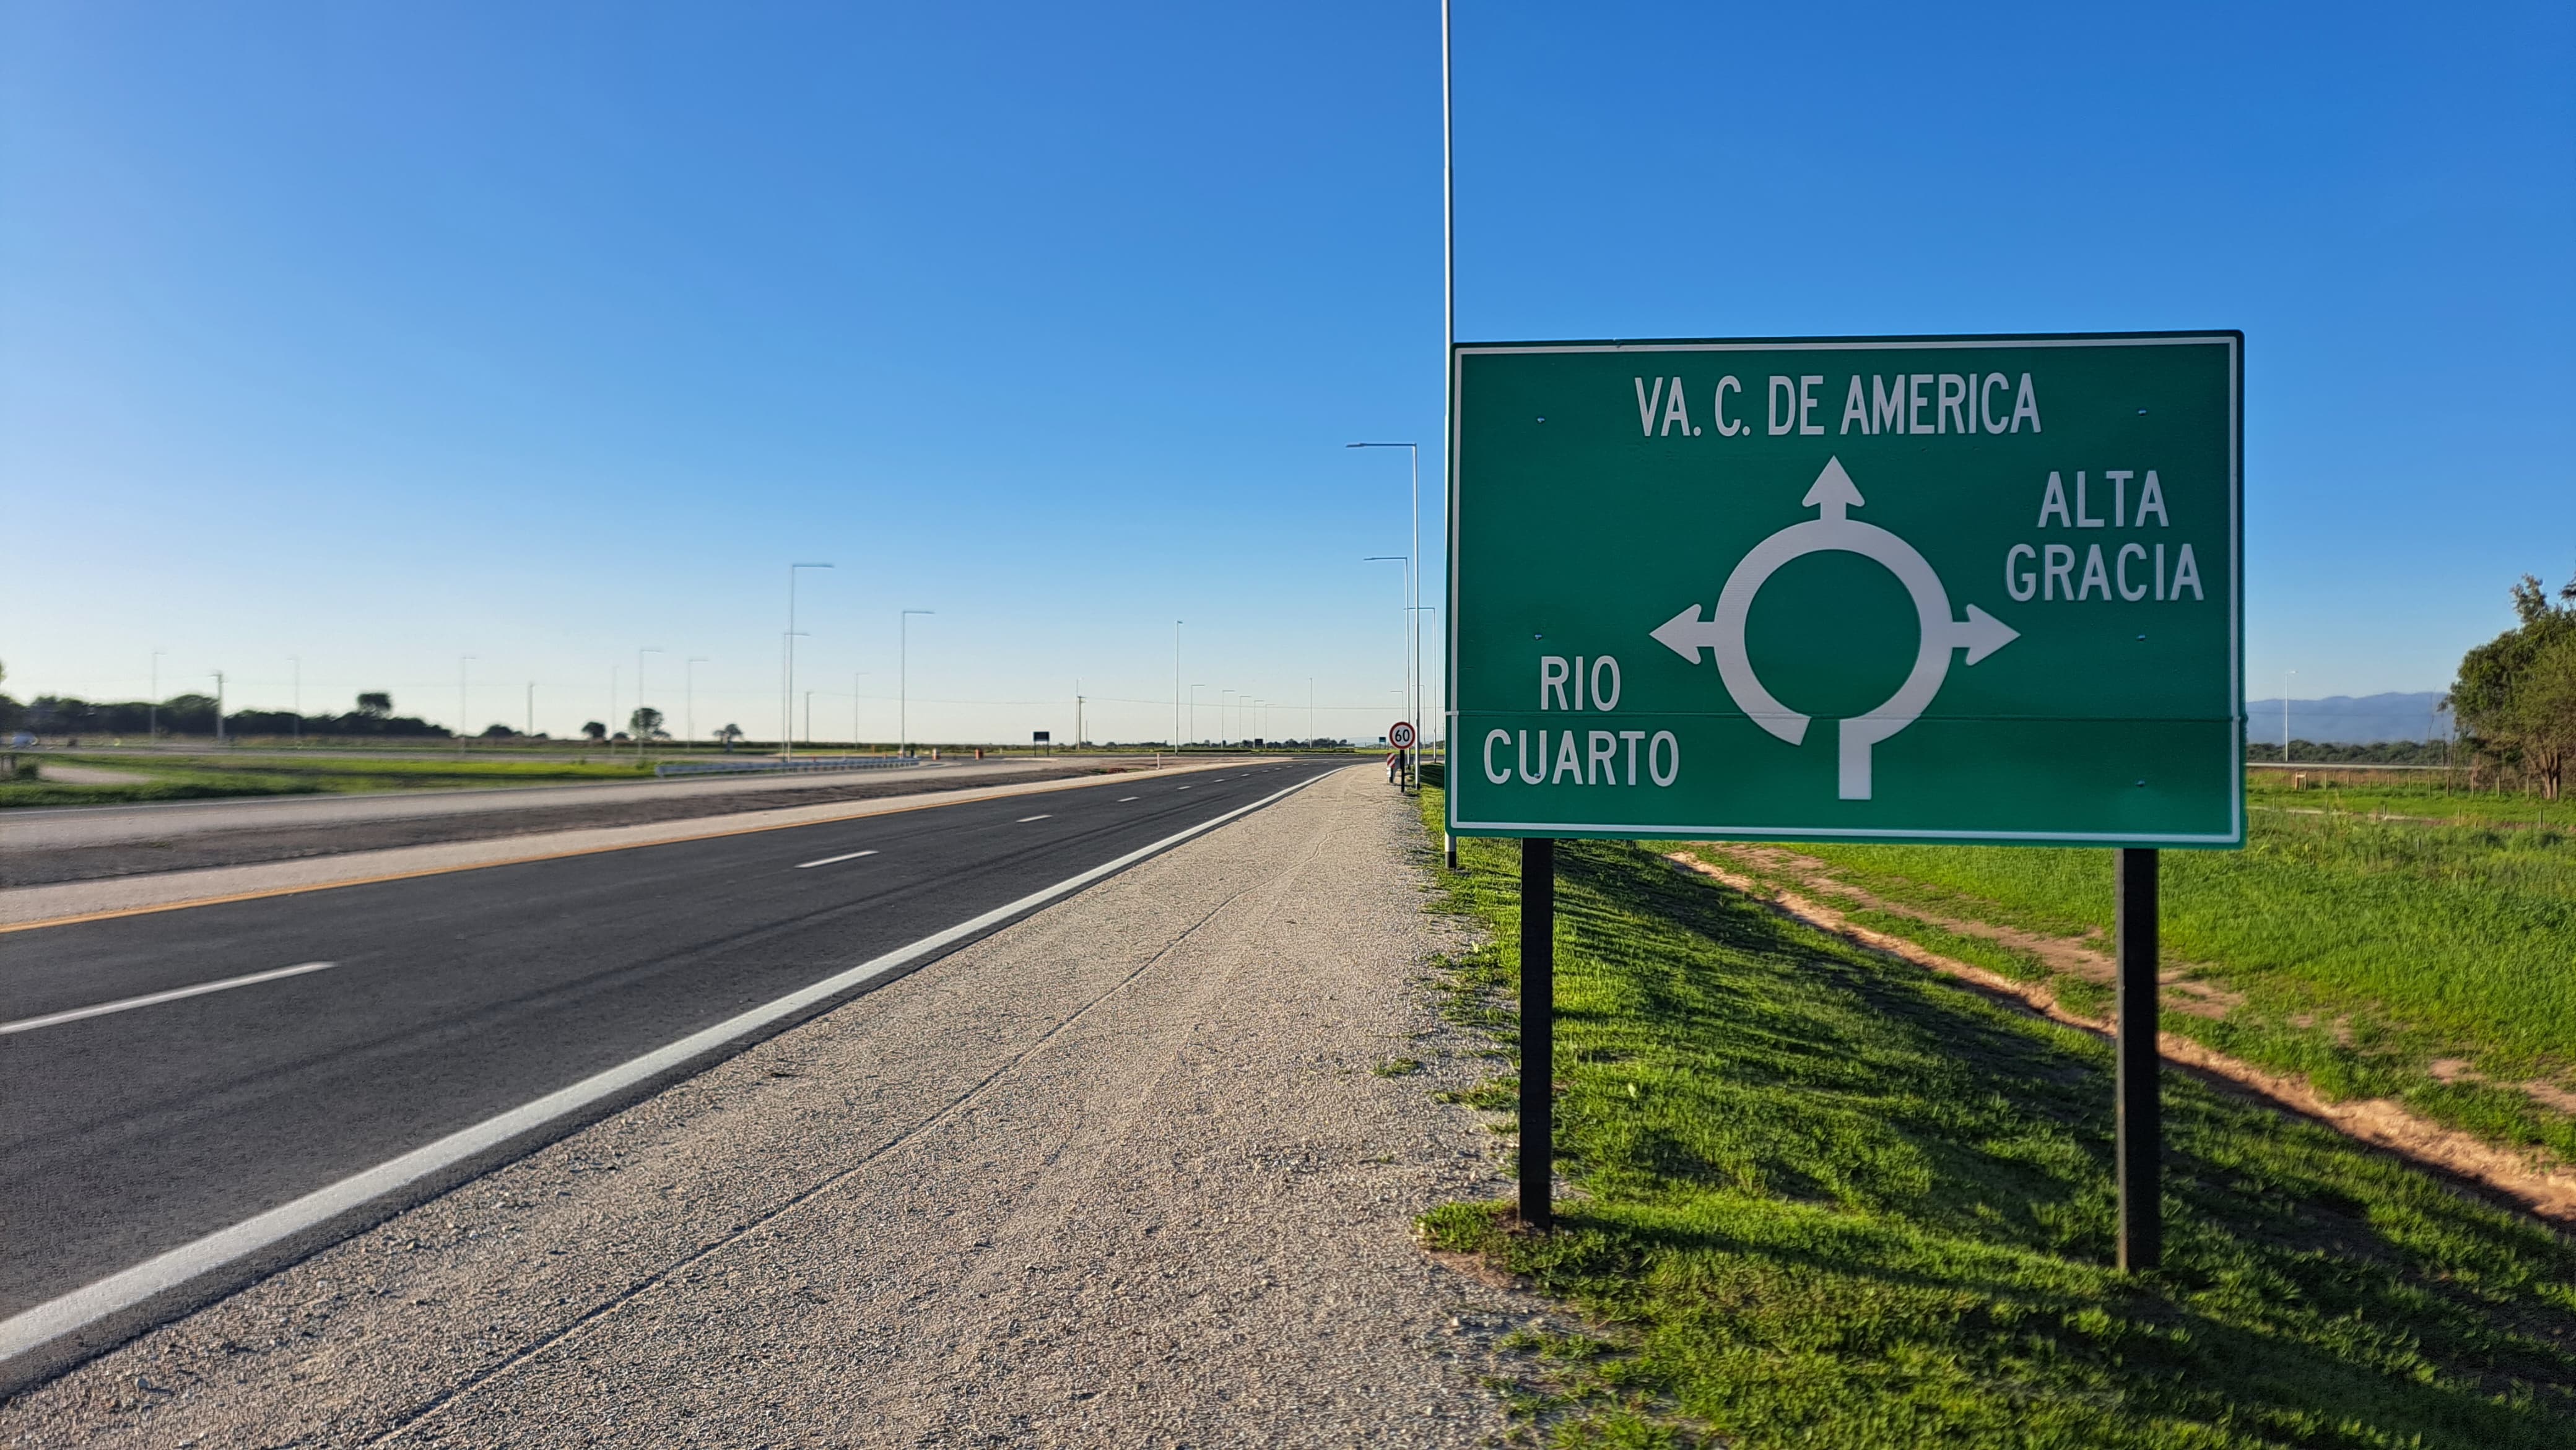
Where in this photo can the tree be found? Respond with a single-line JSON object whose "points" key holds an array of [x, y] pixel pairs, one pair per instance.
{"points": [[498, 731], [596, 731], [2515, 697], [375, 704], [728, 735], [645, 723]]}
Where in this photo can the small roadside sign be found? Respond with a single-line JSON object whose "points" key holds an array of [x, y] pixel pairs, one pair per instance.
{"points": [[1903, 589], [1400, 735]]}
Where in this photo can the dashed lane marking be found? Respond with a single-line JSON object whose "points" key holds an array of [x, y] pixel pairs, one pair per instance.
{"points": [[830, 860], [50, 1019]]}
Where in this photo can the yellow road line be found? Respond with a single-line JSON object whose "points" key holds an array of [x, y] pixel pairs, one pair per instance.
{"points": [[196, 901]]}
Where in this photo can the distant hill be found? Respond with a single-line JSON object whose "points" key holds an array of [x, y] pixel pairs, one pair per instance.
{"points": [[2350, 719]]}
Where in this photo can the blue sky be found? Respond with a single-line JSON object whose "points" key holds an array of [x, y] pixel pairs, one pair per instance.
{"points": [[379, 335]]}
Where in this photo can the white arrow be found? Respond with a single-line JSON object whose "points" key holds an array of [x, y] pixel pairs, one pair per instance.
{"points": [[1834, 492], [1686, 632], [1980, 634]]}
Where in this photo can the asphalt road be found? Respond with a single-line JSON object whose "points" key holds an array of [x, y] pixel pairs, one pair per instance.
{"points": [[453, 998]]}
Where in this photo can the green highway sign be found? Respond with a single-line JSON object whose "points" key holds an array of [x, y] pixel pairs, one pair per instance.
{"points": [[1902, 589]]}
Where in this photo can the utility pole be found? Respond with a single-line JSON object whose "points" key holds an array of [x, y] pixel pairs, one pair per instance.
{"points": [[219, 709], [460, 702], [787, 681], [643, 731], [903, 678]]}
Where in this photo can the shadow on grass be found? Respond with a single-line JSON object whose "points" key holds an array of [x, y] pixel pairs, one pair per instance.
{"points": [[1835, 1200]]}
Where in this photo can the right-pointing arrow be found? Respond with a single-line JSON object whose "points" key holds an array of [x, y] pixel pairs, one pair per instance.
{"points": [[1981, 634]]}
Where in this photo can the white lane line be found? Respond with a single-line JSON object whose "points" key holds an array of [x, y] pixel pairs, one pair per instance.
{"points": [[30, 1024], [1124, 799], [1180, 787], [829, 860], [32, 1328], [1024, 820]]}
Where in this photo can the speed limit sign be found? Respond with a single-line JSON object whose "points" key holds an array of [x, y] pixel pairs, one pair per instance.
{"points": [[1400, 735]]}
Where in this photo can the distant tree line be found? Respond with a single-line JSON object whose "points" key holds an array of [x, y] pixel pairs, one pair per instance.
{"points": [[2515, 698], [193, 714], [2377, 752]]}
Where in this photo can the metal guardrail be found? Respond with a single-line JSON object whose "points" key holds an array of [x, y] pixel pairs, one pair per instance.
{"points": [[799, 766]]}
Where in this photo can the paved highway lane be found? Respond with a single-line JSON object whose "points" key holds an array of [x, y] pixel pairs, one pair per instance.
{"points": [[449, 999]]}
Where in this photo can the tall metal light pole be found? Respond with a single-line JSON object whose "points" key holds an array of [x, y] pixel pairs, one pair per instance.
{"points": [[1176, 685], [1408, 617], [787, 680], [460, 701], [1224, 718], [855, 677], [608, 727], [219, 707], [2285, 715], [1412, 563], [156, 693], [532, 709], [643, 731], [689, 699], [903, 679]]}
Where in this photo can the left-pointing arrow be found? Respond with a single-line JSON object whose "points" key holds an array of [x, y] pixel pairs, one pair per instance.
{"points": [[1685, 633]]}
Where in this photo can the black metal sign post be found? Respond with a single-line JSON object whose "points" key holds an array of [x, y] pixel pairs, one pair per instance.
{"points": [[2138, 1138], [1538, 1030]]}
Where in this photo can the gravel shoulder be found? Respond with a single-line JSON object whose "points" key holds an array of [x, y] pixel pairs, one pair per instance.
{"points": [[1120, 1174]]}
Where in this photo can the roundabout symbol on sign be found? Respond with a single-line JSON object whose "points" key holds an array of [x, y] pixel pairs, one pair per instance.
{"points": [[1400, 735], [1834, 494]]}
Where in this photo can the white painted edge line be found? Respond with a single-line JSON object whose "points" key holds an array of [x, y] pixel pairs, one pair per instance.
{"points": [[1124, 799], [149, 999], [829, 860], [32, 1328], [1024, 820]]}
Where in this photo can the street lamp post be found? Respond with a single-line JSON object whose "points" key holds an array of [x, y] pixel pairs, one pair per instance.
{"points": [[155, 726], [1176, 686], [689, 699], [460, 701], [532, 709], [855, 677], [643, 730], [219, 708], [1407, 614], [296, 663], [1412, 604], [903, 679], [787, 682], [2285, 715]]}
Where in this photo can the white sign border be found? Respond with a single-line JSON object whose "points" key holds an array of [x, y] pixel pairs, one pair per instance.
{"points": [[2233, 341]]}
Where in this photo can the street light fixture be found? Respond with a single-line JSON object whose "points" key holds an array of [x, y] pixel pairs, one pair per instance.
{"points": [[1412, 603], [787, 682], [903, 679]]}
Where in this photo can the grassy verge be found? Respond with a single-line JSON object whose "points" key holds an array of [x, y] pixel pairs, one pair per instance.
{"points": [[1825, 1200], [201, 777], [2430, 963]]}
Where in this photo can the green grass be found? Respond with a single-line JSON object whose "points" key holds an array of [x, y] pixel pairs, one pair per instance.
{"points": [[1828, 1200], [199, 777], [2365, 951]]}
